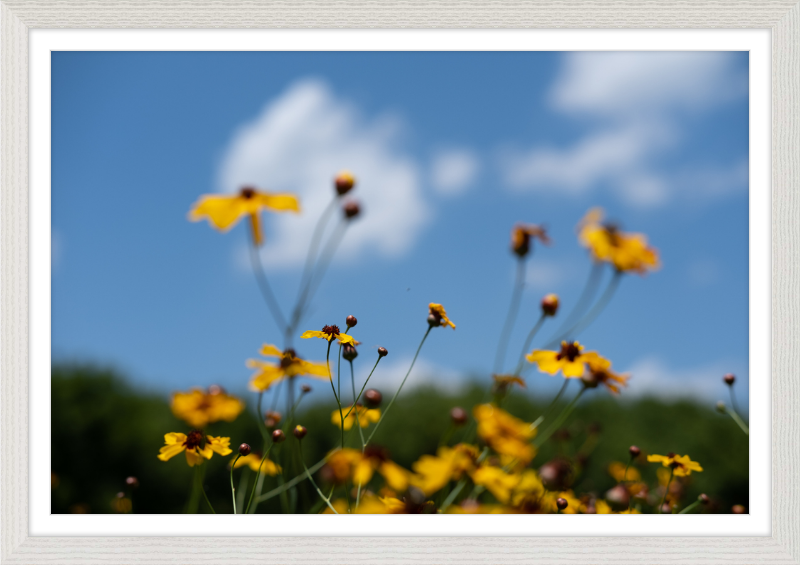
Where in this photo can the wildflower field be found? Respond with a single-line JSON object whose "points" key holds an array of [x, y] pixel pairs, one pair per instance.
{"points": [[320, 433]]}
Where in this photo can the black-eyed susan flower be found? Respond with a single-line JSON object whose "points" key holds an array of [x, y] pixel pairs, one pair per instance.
{"points": [[253, 460], [199, 408], [290, 365], [504, 433], [521, 236], [361, 414], [570, 360], [359, 467], [329, 333], [598, 374], [438, 317], [223, 211], [681, 465], [433, 472], [626, 251], [195, 444]]}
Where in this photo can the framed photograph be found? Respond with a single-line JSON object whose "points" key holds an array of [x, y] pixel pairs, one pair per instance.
{"points": [[392, 292]]}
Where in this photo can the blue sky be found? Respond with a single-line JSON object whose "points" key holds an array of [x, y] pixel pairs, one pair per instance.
{"points": [[450, 150]]}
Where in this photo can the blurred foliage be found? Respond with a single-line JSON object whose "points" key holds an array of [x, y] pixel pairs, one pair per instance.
{"points": [[103, 431]]}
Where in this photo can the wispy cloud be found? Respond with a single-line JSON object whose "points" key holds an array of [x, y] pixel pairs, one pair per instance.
{"points": [[642, 105], [299, 142], [454, 170]]}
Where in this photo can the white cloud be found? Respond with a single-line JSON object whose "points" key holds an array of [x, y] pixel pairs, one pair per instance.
{"points": [[652, 377], [546, 275], [388, 376], [641, 102], [298, 143], [453, 171]]}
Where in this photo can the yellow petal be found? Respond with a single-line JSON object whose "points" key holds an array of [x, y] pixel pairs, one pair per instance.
{"points": [[255, 227], [219, 445], [396, 477], [192, 458], [278, 202], [174, 438], [362, 472], [169, 451], [571, 369], [313, 369], [344, 339], [222, 211], [268, 350], [312, 333]]}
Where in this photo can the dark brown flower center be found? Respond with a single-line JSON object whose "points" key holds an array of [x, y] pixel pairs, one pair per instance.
{"points": [[569, 351], [613, 233], [289, 358], [247, 192], [194, 439], [376, 452], [332, 331]]}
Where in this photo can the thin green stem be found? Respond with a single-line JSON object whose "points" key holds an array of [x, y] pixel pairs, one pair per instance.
{"points": [[311, 479], [555, 400], [740, 422], [453, 494], [363, 387], [266, 290], [258, 474], [296, 480], [587, 294], [691, 507], [666, 490], [358, 421], [241, 490], [511, 316], [199, 478], [233, 489], [533, 332], [558, 421], [396, 394], [325, 260]]}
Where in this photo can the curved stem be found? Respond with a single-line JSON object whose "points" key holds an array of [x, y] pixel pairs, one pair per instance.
{"points": [[266, 290], [199, 478], [378, 423], [533, 332], [740, 422], [553, 402], [584, 322], [258, 474], [298, 479], [558, 421], [358, 421], [511, 316], [691, 507], [233, 490], [311, 479], [587, 294], [666, 490], [363, 387]]}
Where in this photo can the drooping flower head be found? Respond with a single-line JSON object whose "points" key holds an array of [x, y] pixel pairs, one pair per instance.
{"points": [[223, 211], [195, 444], [438, 317], [199, 408], [570, 360], [521, 236], [626, 251], [290, 365], [253, 461], [681, 466], [600, 374], [504, 433], [360, 414], [504, 382], [329, 333]]}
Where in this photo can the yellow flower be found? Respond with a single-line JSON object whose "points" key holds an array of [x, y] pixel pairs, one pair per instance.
{"points": [[681, 466], [521, 236], [434, 472], [195, 444], [600, 374], [438, 313], [359, 467], [199, 408], [290, 365], [569, 360], [223, 211], [474, 507], [626, 251], [631, 511], [503, 382], [329, 333], [253, 460], [366, 416], [617, 470], [371, 504], [496, 481], [504, 433]]}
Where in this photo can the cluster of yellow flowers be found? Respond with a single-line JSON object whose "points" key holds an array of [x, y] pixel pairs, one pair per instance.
{"points": [[490, 470]]}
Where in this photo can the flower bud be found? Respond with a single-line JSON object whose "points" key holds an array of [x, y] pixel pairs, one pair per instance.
{"points": [[666, 508], [351, 321], [305, 389], [382, 352], [344, 182], [738, 509], [372, 398], [351, 210], [244, 450], [703, 498], [634, 451], [618, 496], [459, 416], [132, 482], [729, 379], [562, 503], [349, 352], [300, 431], [278, 436], [721, 407], [550, 305]]}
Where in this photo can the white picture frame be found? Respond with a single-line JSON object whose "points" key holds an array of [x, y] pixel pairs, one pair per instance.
{"points": [[18, 17]]}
